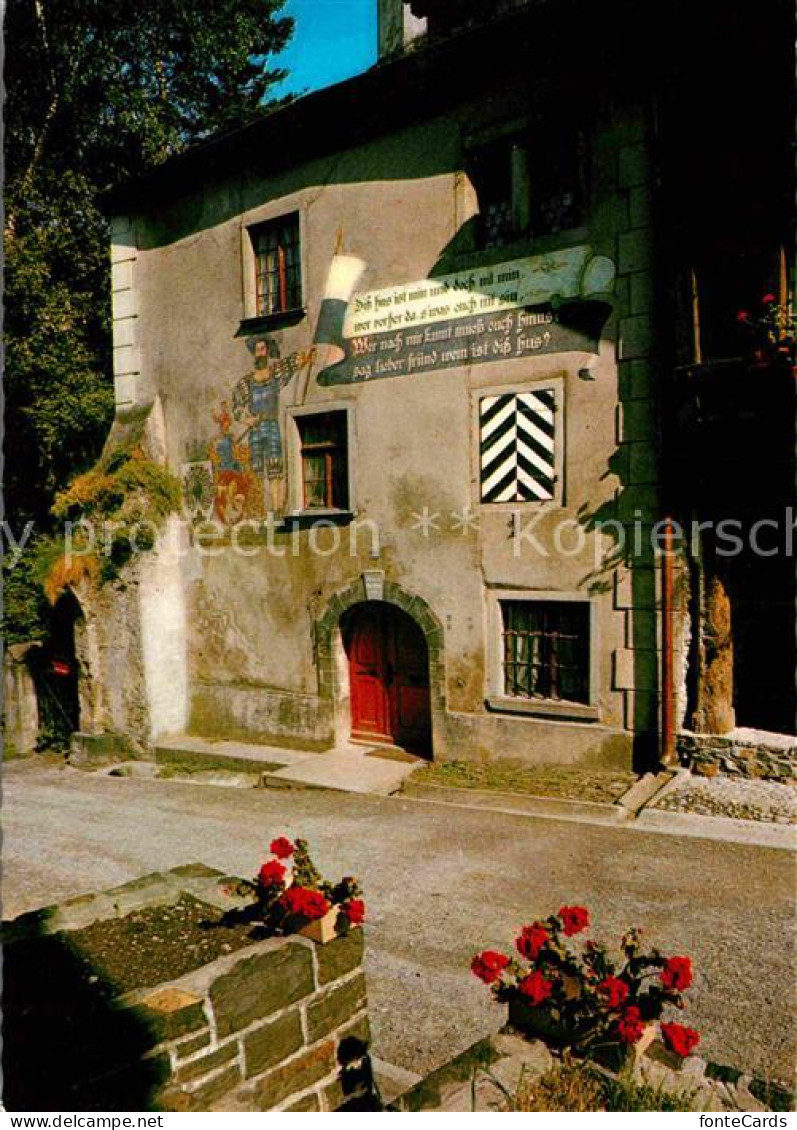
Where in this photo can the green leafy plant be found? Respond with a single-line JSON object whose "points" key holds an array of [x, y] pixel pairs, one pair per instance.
{"points": [[772, 328], [96, 92], [115, 509]]}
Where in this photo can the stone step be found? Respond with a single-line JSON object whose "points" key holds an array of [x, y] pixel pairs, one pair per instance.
{"points": [[392, 1080], [234, 757], [349, 769]]}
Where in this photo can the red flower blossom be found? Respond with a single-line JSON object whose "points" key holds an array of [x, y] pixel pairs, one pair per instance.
{"points": [[488, 966], [532, 939], [281, 847], [679, 1039], [272, 873], [574, 919], [677, 974], [768, 298], [536, 987], [304, 903], [743, 316], [615, 991], [354, 910], [631, 1027]]}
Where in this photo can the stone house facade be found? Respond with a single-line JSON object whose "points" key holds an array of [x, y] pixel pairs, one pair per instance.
{"points": [[402, 342]]}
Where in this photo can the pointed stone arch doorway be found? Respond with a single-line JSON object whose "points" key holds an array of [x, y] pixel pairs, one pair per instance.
{"points": [[379, 658]]}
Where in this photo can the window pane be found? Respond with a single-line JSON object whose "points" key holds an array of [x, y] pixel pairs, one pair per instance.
{"points": [[546, 649], [277, 266], [324, 459]]}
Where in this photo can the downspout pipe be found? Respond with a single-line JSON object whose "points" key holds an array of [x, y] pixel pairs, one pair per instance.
{"points": [[667, 753]]}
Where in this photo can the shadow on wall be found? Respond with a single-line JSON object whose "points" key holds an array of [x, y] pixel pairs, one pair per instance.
{"points": [[627, 520], [65, 1047]]}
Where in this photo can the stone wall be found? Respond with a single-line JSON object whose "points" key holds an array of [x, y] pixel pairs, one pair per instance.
{"points": [[710, 754], [280, 1024], [283, 1023], [491, 1073], [21, 712]]}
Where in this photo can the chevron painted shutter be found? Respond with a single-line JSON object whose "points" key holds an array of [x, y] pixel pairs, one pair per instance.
{"points": [[518, 446]]}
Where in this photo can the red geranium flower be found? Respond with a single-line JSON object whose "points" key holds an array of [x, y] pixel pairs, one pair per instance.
{"points": [[532, 939], [630, 1027], [304, 902], [272, 873], [743, 316], [614, 990], [536, 987], [489, 965], [574, 919], [281, 847], [354, 910], [677, 974], [679, 1039], [769, 298]]}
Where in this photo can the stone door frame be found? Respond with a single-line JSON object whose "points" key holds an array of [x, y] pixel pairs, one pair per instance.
{"points": [[332, 664]]}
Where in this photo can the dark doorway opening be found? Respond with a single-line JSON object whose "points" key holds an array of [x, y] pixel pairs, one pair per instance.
{"points": [[56, 675], [388, 677]]}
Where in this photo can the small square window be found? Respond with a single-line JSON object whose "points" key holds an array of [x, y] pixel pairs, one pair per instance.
{"points": [[278, 269], [324, 457], [546, 649]]}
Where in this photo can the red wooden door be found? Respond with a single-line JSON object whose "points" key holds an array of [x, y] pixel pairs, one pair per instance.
{"points": [[389, 676], [370, 706]]}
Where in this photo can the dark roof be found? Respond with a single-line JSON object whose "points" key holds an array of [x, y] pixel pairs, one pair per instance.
{"points": [[567, 39]]}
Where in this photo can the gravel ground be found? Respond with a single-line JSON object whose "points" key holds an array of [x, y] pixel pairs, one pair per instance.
{"points": [[507, 775], [726, 796]]}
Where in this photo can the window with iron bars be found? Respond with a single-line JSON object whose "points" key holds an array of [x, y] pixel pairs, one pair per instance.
{"points": [[546, 649], [324, 451], [278, 269]]}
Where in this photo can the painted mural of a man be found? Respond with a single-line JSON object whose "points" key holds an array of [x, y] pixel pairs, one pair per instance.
{"points": [[256, 404]]}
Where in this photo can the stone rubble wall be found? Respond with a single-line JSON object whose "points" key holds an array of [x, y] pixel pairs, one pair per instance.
{"points": [[710, 754]]}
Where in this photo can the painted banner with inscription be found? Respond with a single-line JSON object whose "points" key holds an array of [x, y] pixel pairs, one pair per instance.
{"points": [[522, 308]]}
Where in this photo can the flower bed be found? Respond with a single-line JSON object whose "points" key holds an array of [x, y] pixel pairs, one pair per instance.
{"points": [[260, 1023]]}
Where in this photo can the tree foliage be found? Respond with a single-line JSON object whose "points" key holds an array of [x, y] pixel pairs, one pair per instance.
{"points": [[97, 91]]}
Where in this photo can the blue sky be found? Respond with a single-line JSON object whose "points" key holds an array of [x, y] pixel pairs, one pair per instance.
{"points": [[332, 40]]}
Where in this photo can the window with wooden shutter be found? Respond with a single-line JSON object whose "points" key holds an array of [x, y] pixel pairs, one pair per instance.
{"points": [[518, 446]]}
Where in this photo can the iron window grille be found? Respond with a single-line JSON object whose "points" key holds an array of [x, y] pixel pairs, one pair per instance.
{"points": [[324, 453], [278, 273], [546, 650]]}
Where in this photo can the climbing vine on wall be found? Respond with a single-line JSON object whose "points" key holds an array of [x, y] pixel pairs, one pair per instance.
{"points": [[110, 513]]}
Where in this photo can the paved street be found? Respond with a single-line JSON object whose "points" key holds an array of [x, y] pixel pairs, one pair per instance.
{"points": [[440, 884]]}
